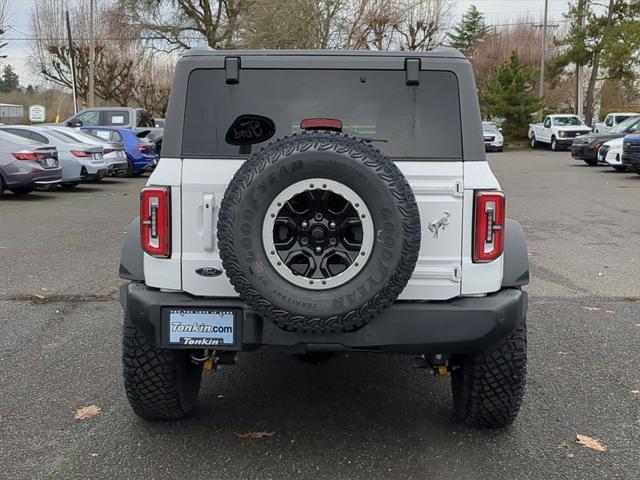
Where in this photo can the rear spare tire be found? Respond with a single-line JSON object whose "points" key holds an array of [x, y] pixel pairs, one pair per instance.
{"points": [[319, 232]]}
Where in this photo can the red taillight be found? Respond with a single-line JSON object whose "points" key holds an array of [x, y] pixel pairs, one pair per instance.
{"points": [[321, 124], [143, 146], [80, 154], [488, 234], [155, 221], [27, 155]]}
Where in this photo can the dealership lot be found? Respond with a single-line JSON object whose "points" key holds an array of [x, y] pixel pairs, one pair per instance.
{"points": [[363, 416]]}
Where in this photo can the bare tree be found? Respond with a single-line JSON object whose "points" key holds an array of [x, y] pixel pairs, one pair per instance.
{"points": [[117, 50], [423, 23], [180, 24], [293, 24], [394, 24], [153, 85], [3, 20]]}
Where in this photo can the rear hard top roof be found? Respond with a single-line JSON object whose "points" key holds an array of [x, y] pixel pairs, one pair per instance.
{"points": [[440, 52]]}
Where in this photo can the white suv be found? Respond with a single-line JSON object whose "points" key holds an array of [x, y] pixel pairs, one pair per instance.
{"points": [[315, 202]]}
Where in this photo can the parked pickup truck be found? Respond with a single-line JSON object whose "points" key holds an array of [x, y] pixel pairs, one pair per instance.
{"points": [[557, 130], [611, 120], [120, 117]]}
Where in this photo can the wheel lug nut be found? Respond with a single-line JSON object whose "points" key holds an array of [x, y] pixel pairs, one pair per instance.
{"points": [[318, 250], [332, 225], [318, 216], [332, 241], [305, 241], [305, 224]]}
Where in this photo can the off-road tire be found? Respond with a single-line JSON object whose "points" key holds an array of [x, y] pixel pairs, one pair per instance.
{"points": [[160, 384], [488, 387], [338, 157]]}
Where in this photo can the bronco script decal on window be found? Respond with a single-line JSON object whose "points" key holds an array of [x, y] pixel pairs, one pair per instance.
{"points": [[249, 130]]}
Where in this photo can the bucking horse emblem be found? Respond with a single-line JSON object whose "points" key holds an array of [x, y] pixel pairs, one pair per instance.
{"points": [[436, 225]]}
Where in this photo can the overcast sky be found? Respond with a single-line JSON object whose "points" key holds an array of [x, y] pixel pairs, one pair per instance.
{"points": [[496, 12]]}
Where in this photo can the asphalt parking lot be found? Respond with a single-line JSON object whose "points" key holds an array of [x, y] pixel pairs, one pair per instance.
{"points": [[361, 416]]}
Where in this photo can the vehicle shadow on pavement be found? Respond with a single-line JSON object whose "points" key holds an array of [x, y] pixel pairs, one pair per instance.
{"points": [[31, 197], [374, 410]]}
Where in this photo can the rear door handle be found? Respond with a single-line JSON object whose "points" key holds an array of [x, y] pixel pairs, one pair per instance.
{"points": [[208, 210]]}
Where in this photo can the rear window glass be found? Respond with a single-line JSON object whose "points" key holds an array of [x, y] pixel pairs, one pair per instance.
{"points": [[405, 122], [116, 118]]}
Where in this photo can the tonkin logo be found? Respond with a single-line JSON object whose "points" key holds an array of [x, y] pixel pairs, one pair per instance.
{"points": [[442, 223]]}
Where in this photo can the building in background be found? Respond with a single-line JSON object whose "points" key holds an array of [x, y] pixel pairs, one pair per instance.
{"points": [[10, 114]]}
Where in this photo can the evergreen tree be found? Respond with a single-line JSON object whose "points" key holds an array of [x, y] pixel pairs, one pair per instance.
{"points": [[510, 96], [9, 80], [608, 43], [469, 31]]}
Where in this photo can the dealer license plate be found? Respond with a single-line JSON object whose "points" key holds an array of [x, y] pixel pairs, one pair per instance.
{"points": [[204, 327]]}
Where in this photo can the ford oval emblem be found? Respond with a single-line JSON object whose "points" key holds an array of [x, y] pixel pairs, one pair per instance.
{"points": [[209, 272]]}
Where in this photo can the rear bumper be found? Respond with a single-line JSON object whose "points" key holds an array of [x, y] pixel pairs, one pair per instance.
{"points": [[120, 167], [463, 325], [37, 177], [583, 152], [631, 161], [93, 175]]}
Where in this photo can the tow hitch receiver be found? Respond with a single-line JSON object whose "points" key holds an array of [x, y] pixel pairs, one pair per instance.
{"points": [[437, 364], [212, 359]]}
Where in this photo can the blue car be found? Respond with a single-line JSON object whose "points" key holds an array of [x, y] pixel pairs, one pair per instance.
{"points": [[631, 153], [141, 153]]}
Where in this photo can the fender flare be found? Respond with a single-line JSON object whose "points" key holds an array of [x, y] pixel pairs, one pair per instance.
{"points": [[131, 258], [516, 259]]}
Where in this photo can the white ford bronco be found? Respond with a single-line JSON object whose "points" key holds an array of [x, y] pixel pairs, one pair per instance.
{"points": [[312, 202]]}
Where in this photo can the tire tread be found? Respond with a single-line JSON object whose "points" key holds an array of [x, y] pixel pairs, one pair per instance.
{"points": [[489, 387], [152, 377]]}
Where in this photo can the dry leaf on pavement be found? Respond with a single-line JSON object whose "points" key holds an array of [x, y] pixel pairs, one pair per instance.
{"points": [[635, 392], [87, 412], [591, 309], [255, 434], [591, 443]]}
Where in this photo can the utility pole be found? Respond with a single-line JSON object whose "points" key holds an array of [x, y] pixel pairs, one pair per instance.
{"points": [[544, 48], [582, 4], [72, 65], [92, 55]]}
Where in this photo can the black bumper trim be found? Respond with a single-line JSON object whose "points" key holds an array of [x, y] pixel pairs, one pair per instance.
{"points": [[462, 325], [583, 153], [631, 161]]}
